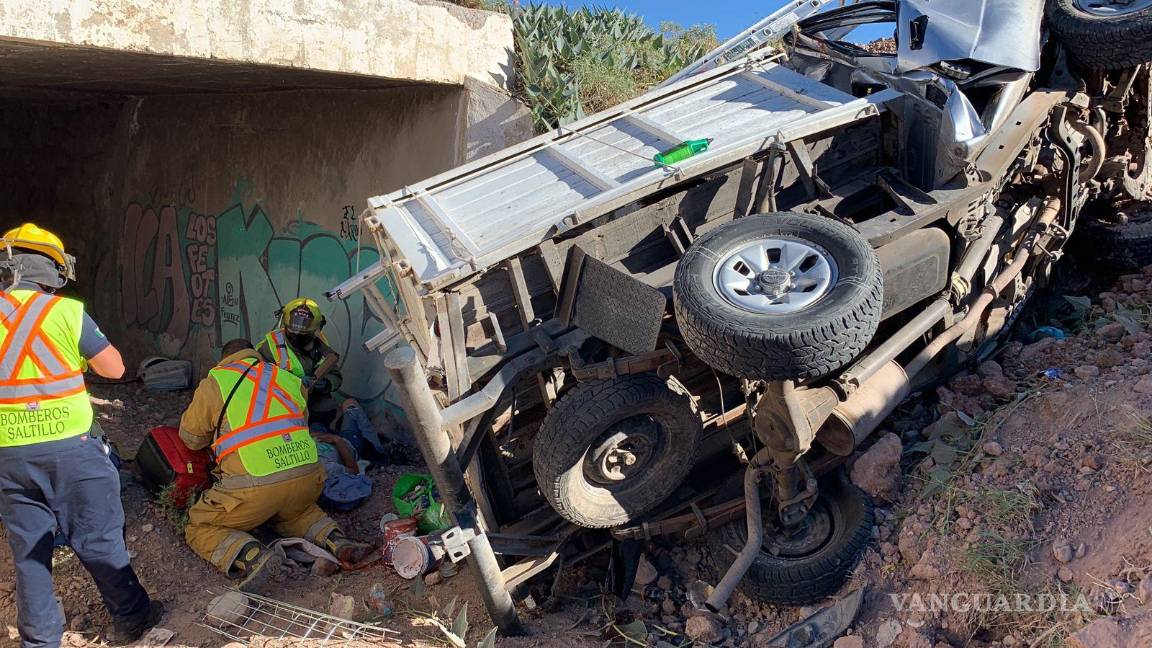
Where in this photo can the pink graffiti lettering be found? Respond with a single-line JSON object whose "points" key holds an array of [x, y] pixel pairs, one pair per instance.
{"points": [[155, 295], [201, 232]]}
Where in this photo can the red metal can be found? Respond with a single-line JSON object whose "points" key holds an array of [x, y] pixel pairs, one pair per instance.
{"points": [[393, 530]]}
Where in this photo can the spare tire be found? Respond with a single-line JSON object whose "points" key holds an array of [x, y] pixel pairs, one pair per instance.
{"points": [[609, 451], [1104, 34], [780, 296]]}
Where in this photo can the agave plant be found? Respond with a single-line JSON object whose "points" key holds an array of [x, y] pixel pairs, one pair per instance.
{"points": [[576, 61]]}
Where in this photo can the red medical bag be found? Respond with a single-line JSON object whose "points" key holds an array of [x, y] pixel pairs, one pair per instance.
{"points": [[163, 463]]}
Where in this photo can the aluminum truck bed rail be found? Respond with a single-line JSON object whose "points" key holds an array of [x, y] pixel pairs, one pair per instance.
{"points": [[463, 221]]}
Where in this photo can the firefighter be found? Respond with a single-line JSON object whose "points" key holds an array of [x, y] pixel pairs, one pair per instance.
{"points": [[56, 475], [253, 415], [297, 345]]}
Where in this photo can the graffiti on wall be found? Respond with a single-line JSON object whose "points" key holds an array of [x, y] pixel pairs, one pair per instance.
{"points": [[187, 275]]}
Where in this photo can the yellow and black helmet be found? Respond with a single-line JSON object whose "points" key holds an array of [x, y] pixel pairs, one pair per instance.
{"points": [[301, 316]]}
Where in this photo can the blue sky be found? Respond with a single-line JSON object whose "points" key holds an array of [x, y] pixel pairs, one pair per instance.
{"points": [[729, 16]]}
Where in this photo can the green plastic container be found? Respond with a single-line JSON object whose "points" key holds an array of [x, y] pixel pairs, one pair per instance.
{"points": [[415, 496], [682, 152]]}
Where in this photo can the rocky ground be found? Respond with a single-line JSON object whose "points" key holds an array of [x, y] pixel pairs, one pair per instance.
{"points": [[175, 575], [1020, 486]]}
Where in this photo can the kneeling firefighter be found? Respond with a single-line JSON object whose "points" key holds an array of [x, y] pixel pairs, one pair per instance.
{"points": [[254, 417], [297, 345], [56, 476]]}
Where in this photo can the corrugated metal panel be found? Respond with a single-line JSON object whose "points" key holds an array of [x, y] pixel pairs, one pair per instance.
{"points": [[473, 216]]}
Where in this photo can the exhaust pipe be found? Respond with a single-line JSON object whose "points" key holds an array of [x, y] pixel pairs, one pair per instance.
{"points": [[755, 521], [858, 416]]}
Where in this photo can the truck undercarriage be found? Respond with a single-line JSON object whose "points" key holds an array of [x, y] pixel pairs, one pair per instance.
{"points": [[596, 349]]}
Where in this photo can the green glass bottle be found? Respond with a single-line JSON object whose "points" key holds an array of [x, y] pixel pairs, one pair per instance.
{"points": [[682, 152]]}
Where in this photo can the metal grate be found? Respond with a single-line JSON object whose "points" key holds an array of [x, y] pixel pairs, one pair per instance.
{"points": [[267, 618]]}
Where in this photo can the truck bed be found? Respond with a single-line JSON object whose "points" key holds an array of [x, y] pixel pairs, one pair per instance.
{"points": [[467, 219]]}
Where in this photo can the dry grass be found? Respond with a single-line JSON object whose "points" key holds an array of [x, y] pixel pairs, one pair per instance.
{"points": [[1133, 440]]}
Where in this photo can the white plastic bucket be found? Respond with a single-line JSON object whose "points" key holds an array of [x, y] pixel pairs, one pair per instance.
{"points": [[411, 558]]}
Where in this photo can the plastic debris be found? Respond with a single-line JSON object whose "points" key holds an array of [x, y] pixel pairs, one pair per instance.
{"points": [[378, 601], [1053, 373], [1049, 332], [416, 496], [163, 374]]}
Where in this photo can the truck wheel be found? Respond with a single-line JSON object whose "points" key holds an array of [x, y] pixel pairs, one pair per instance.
{"points": [[1104, 34], [609, 451], [777, 297], [815, 562], [1122, 246]]}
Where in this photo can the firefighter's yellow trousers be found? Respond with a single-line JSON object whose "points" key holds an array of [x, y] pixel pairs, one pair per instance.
{"points": [[219, 523]]}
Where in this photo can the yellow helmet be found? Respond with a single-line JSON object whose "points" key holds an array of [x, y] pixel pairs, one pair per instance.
{"points": [[301, 316], [36, 239]]}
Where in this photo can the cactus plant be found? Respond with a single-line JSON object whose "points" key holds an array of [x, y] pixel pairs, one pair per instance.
{"points": [[573, 61]]}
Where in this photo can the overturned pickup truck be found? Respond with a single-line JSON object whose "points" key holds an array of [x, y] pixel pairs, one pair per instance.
{"points": [[603, 341]]}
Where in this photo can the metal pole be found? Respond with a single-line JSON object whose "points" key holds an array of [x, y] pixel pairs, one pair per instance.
{"points": [[427, 426]]}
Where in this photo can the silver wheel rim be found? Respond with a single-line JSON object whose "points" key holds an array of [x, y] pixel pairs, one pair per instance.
{"points": [[775, 276], [1112, 8]]}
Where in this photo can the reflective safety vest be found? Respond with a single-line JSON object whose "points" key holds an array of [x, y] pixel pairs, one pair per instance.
{"points": [[265, 419], [42, 392], [282, 353]]}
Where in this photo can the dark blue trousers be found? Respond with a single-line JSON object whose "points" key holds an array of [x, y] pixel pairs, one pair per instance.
{"points": [[70, 486]]}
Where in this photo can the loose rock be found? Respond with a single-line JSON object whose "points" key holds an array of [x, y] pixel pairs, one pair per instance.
{"points": [[877, 471], [1000, 387], [1062, 551], [1102, 633], [228, 609], [1086, 371], [887, 632], [1144, 385], [993, 448], [646, 574], [855, 641], [704, 628], [990, 369], [1036, 349], [343, 607], [912, 638], [1112, 332], [1144, 590]]}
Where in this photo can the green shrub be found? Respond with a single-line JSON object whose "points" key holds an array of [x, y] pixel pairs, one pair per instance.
{"points": [[577, 61]]}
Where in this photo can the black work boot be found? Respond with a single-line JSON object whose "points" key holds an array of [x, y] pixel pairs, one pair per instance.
{"points": [[125, 631], [258, 567]]}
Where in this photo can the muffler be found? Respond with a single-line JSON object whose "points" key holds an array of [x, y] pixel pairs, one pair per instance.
{"points": [[855, 418]]}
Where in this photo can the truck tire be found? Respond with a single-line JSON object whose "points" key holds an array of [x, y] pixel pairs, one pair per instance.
{"points": [[779, 296], [609, 451], [1101, 35], [1121, 247], [812, 565]]}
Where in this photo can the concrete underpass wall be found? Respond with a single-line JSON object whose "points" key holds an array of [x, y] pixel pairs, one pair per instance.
{"points": [[195, 216], [421, 40]]}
